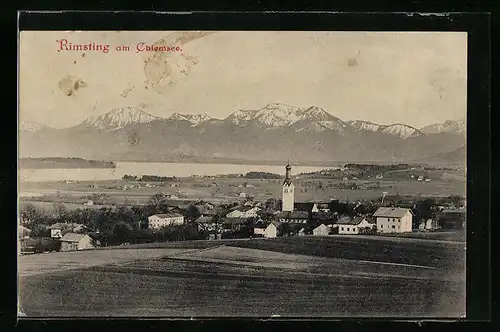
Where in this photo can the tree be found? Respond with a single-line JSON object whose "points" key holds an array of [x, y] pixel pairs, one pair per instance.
{"points": [[159, 203], [122, 232], [192, 213], [31, 213], [61, 212]]}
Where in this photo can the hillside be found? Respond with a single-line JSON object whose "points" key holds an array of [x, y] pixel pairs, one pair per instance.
{"points": [[457, 156], [51, 163]]}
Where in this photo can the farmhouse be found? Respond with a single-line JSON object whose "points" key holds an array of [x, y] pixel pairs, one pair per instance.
{"points": [[73, 241], [160, 220], [357, 225], [393, 220], [321, 230]]}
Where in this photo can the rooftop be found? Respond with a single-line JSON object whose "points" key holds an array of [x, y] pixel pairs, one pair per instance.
{"points": [[390, 212], [167, 215], [73, 237]]}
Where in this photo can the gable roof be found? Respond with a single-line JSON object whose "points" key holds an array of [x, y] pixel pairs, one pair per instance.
{"points": [[73, 237], [293, 215], [166, 215], [390, 212], [321, 225]]}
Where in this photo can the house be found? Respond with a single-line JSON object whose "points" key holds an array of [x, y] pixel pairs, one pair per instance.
{"points": [[357, 225], [234, 224], [323, 207], [259, 228], [73, 241], [248, 212], [293, 216], [242, 195], [89, 203], [273, 230], [321, 230], [157, 221], [393, 220], [206, 223]]}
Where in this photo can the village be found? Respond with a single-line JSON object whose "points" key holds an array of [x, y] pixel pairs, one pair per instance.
{"points": [[203, 220]]}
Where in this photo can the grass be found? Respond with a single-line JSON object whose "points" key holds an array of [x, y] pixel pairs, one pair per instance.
{"points": [[199, 288], [227, 190]]}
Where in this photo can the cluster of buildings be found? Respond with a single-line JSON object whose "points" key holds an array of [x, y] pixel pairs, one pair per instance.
{"points": [[290, 218], [294, 218], [70, 236], [270, 219]]}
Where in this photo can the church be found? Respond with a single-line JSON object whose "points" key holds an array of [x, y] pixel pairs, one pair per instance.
{"points": [[287, 202]]}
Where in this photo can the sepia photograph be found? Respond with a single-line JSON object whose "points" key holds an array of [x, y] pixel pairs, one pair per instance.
{"points": [[257, 174]]}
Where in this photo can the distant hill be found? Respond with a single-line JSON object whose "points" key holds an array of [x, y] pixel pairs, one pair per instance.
{"points": [[51, 163], [457, 156]]}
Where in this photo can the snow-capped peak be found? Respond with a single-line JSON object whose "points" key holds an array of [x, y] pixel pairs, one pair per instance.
{"points": [[448, 126], [194, 119], [241, 116], [400, 130], [397, 129], [119, 118], [278, 115], [30, 126], [364, 125]]}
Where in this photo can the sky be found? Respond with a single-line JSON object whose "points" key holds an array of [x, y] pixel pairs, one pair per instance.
{"points": [[415, 78]]}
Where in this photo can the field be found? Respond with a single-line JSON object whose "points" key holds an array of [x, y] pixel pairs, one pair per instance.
{"points": [[289, 277], [228, 189]]}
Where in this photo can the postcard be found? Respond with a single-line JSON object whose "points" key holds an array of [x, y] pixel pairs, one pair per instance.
{"points": [[202, 174]]}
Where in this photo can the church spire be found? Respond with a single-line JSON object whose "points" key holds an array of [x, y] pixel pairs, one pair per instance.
{"points": [[288, 178]]}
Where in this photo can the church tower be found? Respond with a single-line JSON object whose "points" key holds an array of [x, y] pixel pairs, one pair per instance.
{"points": [[288, 191]]}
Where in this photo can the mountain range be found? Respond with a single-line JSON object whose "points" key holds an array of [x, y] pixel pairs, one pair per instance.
{"points": [[272, 133]]}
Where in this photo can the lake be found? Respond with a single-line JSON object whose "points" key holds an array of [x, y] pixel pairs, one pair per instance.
{"points": [[151, 168]]}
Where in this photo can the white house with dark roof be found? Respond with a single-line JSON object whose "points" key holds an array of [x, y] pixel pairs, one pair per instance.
{"points": [[348, 225], [393, 220], [157, 221]]}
